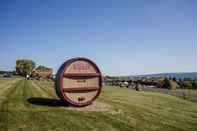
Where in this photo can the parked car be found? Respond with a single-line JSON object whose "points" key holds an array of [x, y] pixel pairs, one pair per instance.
{"points": [[7, 75]]}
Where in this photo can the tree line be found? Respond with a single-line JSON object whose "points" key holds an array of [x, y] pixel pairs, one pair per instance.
{"points": [[25, 67], [158, 82]]}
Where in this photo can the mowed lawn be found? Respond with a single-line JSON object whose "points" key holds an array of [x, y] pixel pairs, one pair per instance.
{"points": [[33, 105]]}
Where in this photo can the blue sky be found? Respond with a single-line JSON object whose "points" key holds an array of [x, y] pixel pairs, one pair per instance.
{"points": [[124, 37]]}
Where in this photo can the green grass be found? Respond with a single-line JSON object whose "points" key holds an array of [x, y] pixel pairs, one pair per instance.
{"points": [[129, 110]]}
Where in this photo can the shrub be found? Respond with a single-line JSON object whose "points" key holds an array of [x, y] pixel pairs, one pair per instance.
{"points": [[166, 83], [186, 85]]}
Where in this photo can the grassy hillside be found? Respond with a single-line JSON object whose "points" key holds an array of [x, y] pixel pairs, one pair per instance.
{"points": [[34, 105]]}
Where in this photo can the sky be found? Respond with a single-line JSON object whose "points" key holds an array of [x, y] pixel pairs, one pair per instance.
{"points": [[124, 37]]}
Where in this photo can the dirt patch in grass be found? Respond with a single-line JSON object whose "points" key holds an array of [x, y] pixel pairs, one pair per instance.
{"points": [[94, 107]]}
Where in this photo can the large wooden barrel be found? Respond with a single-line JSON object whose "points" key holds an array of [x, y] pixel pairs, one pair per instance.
{"points": [[78, 81]]}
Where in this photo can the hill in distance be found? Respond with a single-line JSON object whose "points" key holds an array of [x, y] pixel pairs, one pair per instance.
{"points": [[182, 75]]}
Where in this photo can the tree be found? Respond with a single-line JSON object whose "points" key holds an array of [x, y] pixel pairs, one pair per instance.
{"points": [[170, 84], [174, 79], [24, 66], [166, 83], [180, 80], [42, 71], [43, 68]]}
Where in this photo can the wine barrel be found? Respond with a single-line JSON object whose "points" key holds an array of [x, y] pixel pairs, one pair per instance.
{"points": [[78, 81]]}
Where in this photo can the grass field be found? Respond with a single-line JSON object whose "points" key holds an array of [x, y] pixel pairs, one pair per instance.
{"points": [[33, 105]]}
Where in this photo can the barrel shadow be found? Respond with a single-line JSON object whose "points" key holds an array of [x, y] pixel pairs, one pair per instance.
{"points": [[47, 102]]}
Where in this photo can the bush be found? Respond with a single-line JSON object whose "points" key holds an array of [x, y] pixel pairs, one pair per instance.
{"points": [[194, 84], [186, 85], [166, 83]]}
